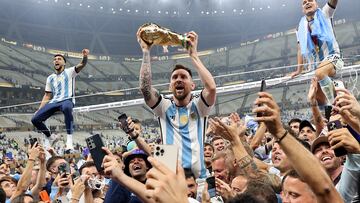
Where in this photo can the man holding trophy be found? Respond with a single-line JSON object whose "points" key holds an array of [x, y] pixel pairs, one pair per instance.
{"points": [[183, 117]]}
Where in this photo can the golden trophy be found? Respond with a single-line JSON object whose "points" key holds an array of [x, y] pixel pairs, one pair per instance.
{"points": [[152, 33]]}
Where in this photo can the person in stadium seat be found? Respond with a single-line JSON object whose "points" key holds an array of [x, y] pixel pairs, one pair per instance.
{"points": [[59, 96], [183, 117], [317, 43]]}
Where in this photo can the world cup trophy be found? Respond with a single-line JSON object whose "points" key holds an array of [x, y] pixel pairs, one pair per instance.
{"points": [[152, 33]]}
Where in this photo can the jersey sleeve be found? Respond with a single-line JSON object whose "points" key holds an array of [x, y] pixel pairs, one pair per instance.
{"points": [[161, 106], [48, 85], [72, 72], [203, 108], [328, 10]]}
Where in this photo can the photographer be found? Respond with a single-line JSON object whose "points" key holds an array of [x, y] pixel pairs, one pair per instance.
{"points": [[95, 187]]}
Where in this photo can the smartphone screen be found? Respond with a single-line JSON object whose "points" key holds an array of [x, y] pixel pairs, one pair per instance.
{"points": [[211, 186]]}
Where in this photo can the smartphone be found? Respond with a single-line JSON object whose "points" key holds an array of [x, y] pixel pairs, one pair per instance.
{"points": [[262, 89], [124, 124], [211, 186], [95, 144], [168, 155], [33, 141], [332, 125], [64, 168]]}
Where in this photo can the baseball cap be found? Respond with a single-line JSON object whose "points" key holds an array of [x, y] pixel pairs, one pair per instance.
{"points": [[318, 141], [306, 123], [136, 153]]}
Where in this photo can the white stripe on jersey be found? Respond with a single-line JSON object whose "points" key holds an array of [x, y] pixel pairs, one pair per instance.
{"points": [[62, 86], [185, 127]]}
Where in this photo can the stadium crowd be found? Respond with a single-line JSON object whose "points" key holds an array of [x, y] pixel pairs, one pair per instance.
{"points": [[234, 159], [277, 162]]}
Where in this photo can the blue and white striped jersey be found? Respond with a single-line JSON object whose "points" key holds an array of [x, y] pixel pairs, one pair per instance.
{"points": [[62, 86], [185, 127]]}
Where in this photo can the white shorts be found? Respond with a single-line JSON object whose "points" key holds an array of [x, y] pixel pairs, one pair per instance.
{"points": [[336, 60]]}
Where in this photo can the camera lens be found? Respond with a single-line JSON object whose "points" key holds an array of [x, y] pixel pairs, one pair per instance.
{"points": [[157, 153], [158, 148], [162, 151]]}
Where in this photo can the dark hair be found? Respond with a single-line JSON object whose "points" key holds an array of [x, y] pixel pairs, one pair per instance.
{"points": [[294, 120], [87, 164], [136, 121], [60, 56], [188, 173], [256, 192], [210, 145], [178, 67], [2, 196], [51, 161]]}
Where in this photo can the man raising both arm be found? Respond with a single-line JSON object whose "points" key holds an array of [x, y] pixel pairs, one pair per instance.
{"points": [[183, 117], [59, 96]]}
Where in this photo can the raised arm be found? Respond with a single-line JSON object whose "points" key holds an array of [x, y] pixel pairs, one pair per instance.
{"points": [[41, 179], [209, 92], [318, 118], [232, 133], [25, 179], [305, 164], [151, 95], [81, 65], [113, 169], [259, 135], [140, 142]]}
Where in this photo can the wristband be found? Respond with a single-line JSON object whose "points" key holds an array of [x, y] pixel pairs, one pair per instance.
{"points": [[282, 137]]}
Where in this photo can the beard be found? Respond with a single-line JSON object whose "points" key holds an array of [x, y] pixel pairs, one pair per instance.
{"points": [[181, 96]]}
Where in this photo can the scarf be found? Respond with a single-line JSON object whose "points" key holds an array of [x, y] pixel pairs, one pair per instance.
{"points": [[321, 29]]}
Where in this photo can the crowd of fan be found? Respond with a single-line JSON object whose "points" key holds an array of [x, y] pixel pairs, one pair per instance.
{"points": [[275, 162]]}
